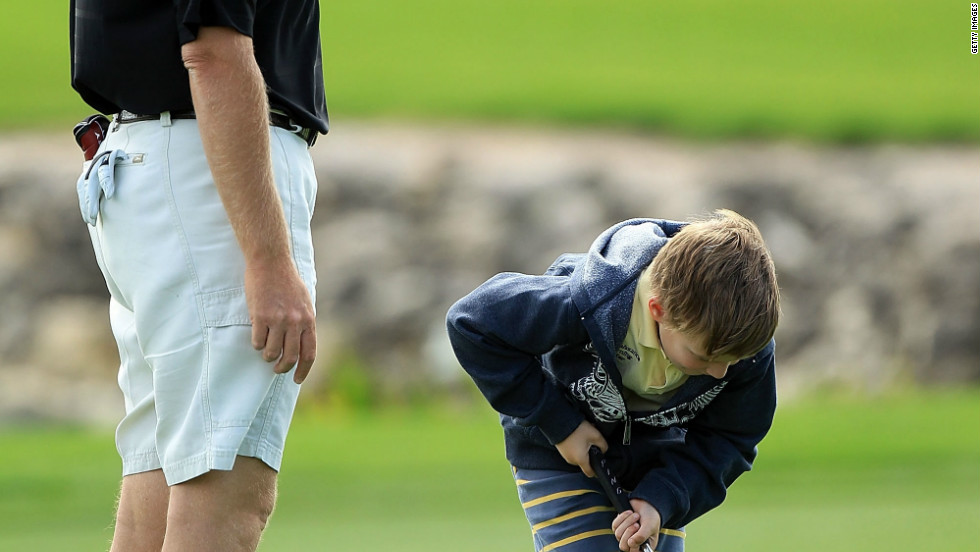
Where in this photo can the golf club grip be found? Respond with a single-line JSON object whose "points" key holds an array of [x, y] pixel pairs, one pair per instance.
{"points": [[607, 480]]}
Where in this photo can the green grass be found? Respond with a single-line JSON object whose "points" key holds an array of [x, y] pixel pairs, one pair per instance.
{"points": [[894, 473], [838, 70], [901, 473]]}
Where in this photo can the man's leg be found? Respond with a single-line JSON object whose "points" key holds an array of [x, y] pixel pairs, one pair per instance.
{"points": [[223, 511], [141, 518]]}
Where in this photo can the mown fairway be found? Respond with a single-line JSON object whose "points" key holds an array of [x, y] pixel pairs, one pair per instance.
{"points": [[901, 473], [839, 70]]}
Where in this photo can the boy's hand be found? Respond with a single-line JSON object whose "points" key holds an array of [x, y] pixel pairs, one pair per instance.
{"points": [[575, 448], [634, 527]]}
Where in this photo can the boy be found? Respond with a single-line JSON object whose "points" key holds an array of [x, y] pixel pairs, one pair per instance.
{"points": [[656, 346]]}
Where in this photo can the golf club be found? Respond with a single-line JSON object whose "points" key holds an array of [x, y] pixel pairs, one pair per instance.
{"points": [[607, 480]]}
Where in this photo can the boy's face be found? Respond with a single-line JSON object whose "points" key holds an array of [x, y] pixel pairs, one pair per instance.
{"points": [[687, 352]]}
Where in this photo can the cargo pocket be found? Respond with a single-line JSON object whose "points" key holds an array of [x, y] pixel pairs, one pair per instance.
{"points": [[225, 308]]}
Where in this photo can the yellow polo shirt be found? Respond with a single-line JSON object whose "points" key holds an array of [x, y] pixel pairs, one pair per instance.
{"points": [[647, 374]]}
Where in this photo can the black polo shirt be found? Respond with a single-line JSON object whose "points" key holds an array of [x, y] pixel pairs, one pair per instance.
{"points": [[126, 53]]}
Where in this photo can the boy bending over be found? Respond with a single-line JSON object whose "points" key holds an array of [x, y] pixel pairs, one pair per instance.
{"points": [[656, 346]]}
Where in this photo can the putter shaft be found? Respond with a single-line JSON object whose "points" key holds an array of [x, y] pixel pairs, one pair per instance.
{"points": [[615, 493]]}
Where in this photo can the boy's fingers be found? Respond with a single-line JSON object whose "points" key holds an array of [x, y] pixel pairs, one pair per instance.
{"points": [[642, 535], [636, 542], [625, 542], [587, 468], [595, 439], [623, 521]]}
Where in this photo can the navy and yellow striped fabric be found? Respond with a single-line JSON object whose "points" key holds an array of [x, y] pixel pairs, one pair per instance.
{"points": [[568, 512]]}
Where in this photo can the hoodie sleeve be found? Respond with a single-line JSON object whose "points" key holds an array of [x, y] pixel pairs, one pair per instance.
{"points": [[499, 332], [693, 476]]}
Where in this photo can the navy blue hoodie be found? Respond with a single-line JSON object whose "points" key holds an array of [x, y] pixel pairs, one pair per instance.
{"points": [[541, 349]]}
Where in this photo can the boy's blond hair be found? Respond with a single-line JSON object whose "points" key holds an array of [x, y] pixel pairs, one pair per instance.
{"points": [[715, 280]]}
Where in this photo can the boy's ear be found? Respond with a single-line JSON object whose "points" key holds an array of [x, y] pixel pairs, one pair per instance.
{"points": [[656, 309]]}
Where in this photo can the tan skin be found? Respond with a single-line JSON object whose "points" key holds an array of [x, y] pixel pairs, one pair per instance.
{"points": [[227, 511], [220, 510], [232, 112], [634, 527]]}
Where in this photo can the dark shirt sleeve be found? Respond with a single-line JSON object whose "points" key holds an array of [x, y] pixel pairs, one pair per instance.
{"points": [[499, 332], [692, 477], [194, 14]]}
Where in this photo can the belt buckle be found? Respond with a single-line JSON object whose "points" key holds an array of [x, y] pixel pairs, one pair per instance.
{"points": [[309, 135]]}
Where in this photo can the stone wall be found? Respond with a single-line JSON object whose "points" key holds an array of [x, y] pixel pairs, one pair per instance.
{"points": [[877, 248]]}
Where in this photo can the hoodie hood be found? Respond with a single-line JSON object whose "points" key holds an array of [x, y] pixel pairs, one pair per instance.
{"points": [[618, 255]]}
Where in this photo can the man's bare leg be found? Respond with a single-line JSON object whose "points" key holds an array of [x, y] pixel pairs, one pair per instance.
{"points": [[223, 511], [141, 517]]}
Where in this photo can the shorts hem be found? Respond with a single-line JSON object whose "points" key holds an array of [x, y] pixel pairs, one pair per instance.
{"points": [[140, 463], [224, 460]]}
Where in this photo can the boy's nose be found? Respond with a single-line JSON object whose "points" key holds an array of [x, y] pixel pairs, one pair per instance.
{"points": [[717, 370]]}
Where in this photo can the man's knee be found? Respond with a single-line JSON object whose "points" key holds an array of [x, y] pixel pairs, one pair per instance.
{"points": [[256, 485], [246, 494], [264, 503]]}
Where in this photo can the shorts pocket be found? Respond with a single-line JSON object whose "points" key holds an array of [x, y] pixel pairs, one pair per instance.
{"points": [[225, 308], [97, 180]]}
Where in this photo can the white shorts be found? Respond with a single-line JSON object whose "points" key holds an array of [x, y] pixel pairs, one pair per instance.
{"points": [[196, 393]]}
